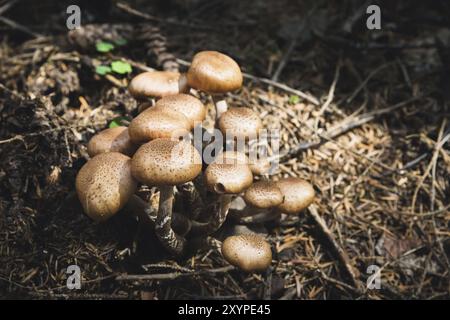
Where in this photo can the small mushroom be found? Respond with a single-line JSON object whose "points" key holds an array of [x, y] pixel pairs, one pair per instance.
{"points": [[261, 167], [231, 157], [298, 195], [157, 122], [258, 166], [262, 199], [263, 195], [249, 252], [157, 84], [165, 163], [111, 140], [105, 184], [225, 180], [191, 107], [240, 123], [214, 73]]}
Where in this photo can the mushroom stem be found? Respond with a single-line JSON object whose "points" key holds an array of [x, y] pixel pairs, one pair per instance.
{"points": [[142, 210], [220, 104], [147, 215], [216, 220], [181, 224], [192, 199], [260, 217], [183, 86], [163, 229]]}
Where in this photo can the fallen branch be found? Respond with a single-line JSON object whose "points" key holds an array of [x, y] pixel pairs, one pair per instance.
{"points": [[342, 255], [172, 275]]}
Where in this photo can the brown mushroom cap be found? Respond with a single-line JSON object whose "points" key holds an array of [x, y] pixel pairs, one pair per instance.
{"points": [[104, 185], [156, 123], [231, 157], [260, 166], [191, 107], [111, 140], [166, 162], [298, 195], [249, 252], [228, 178], [263, 195], [157, 84], [241, 123], [214, 72]]}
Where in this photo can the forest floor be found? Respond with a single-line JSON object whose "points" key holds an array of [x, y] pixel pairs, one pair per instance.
{"points": [[363, 115]]}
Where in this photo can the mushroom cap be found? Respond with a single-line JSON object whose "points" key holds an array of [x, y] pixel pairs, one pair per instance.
{"points": [[260, 166], [157, 84], [166, 162], [298, 195], [257, 166], [228, 178], [249, 252], [156, 123], [111, 140], [105, 184], [231, 157], [214, 73], [239, 122], [191, 107], [263, 195]]}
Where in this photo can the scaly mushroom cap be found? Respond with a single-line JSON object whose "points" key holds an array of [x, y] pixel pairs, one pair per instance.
{"points": [[214, 72], [156, 84], [104, 185], [156, 123], [298, 195], [166, 162], [228, 178], [191, 107], [231, 157], [111, 140], [239, 122], [263, 195], [249, 252], [258, 166], [261, 166]]}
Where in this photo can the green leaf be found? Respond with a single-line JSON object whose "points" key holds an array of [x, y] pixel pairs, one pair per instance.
{"points": [[104, 46], [118, 122], [294, 99], [121, 67], [102, 70], [120, 42]]}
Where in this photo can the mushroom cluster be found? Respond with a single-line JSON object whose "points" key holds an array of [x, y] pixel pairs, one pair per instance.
{"points": [[156, 150]]}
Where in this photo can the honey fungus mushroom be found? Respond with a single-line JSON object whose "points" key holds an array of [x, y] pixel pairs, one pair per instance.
{"points": [[240, 123], [157, 84], [225, 180], [157, 122], [249, 252], [105, 184], [262, 199], [263, 195], [214, 73], [165, 163], [298, 195], [111, 140], [257, 166], [191, 107]]}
